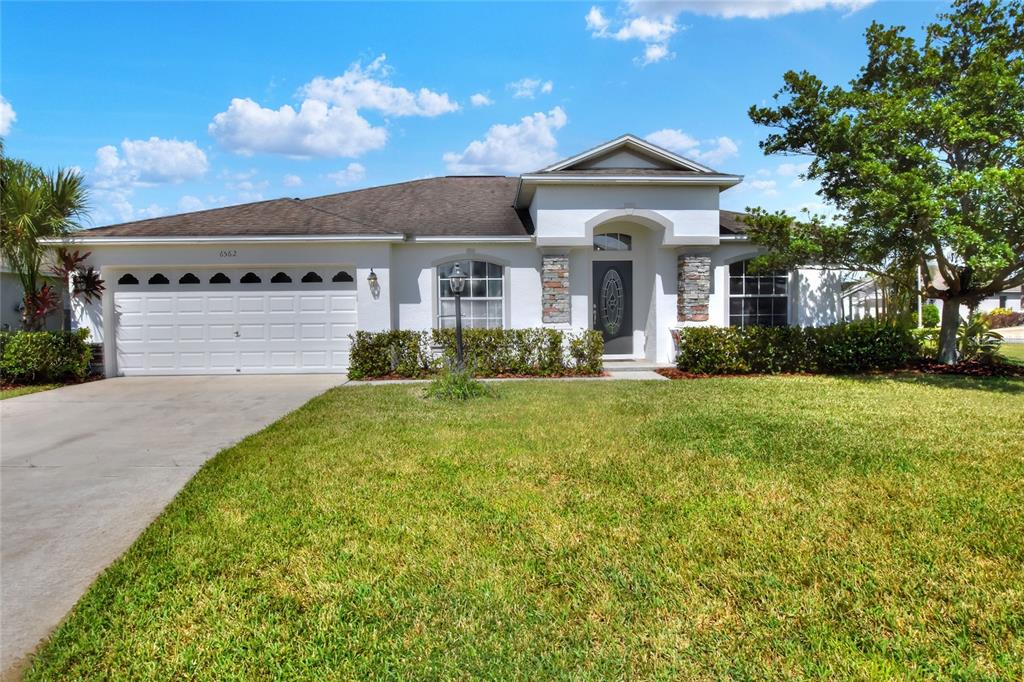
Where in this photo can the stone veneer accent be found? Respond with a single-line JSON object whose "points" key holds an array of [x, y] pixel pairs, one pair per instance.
{"points": [[555, 289], [694, 287]]}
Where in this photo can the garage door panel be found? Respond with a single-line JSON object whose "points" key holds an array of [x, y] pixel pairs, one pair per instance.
{"points": [[282, 304], [251, 327], [190, 304], [192, 361], [191, 332], [220, 304], [251, 304]]}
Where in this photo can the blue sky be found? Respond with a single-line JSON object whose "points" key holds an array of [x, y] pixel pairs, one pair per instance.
{"points": [[172, 107]]}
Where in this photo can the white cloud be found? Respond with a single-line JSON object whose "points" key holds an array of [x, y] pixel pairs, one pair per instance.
{"points": [[711, 152], [654, 22], [329, 121], [792, 170], [367, 88], [7, 116], [190, 203], [653, 30], [291, 180], [354, 172], [316, 129], [748, 9], [766, 187], [527, 145], [655, 53], [480, 100], [149, 162], [527, 88]]}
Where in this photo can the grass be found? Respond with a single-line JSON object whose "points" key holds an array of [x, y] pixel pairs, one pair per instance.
{"points": [[1013, 352], [747, 528], [25, 390]]}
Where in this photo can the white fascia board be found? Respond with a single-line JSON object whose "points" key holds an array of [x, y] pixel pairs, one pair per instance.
{"points": [[529, 182], [469, 239], [259, 239], [719, 180], [734, 238]]}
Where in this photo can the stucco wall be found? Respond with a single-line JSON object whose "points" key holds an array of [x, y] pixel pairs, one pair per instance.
{"points": [[414, 280], [691, 213]]}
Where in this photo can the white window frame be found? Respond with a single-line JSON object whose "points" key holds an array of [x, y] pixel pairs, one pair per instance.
{"points": [[748, 296], [467, 300]]}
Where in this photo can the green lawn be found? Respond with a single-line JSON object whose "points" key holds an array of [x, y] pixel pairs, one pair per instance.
{"points": [[25, 390], [722, 528], [1013, 351]]}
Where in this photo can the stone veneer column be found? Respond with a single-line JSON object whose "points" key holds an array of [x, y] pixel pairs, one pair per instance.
{"points": [[694, 287], [555, 289]]}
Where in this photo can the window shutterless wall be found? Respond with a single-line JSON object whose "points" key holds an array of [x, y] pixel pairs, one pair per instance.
{"points": [[414, 277]]}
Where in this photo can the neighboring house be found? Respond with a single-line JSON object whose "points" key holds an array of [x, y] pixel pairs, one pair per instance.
{"points": [[627, 238], [866, 298], [11, 301]]}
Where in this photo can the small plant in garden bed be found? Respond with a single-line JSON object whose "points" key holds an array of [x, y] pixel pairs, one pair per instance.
{"points": [[456, 384]]}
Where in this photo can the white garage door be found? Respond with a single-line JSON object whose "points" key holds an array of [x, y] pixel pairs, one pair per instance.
{"points": [[244, 321]]}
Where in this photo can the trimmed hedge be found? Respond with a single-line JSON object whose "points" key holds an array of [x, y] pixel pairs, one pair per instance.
{"points": [[858, 346], [488, 352], [44, 357]]}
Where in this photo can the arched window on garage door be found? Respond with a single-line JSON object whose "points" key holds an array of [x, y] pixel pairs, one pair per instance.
{"points": [[128, 279]]}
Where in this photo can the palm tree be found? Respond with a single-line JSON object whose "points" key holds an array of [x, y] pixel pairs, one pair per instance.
{"points": [[35, 206]]}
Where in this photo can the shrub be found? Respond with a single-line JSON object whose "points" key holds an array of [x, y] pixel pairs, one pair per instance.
{"points": [[930, 315], [530, 352], [711, 350], [863, 345], [378, 354], [42, 357], [456, 384], [852, 347], [490, 352], [1002, 317], [975, 341]]}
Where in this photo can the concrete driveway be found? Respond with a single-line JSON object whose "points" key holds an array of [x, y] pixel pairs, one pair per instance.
{"points": [[86, 468]]}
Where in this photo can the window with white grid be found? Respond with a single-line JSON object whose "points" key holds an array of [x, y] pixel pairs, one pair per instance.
{"points": [[483, 301]]}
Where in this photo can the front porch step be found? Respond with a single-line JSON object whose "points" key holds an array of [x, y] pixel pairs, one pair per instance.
{"points": [[612, 366]]}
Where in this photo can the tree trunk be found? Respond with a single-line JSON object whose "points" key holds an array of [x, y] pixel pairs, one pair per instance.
{"points": [[947, 331]]}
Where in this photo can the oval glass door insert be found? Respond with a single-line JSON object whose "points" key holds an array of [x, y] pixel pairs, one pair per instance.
{"points": [[611, 302]]}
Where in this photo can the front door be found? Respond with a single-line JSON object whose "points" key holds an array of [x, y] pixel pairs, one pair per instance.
{"points": [[613, 305]]}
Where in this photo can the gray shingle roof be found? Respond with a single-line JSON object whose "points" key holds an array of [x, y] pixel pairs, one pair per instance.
{"points": [[729, 222], [457, 206]]}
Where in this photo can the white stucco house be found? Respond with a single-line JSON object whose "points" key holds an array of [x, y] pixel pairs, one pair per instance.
{"points": [[627, 238]]}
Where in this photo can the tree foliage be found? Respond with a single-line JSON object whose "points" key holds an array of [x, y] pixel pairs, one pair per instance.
{"points": [[36, 206], [921, 156]]}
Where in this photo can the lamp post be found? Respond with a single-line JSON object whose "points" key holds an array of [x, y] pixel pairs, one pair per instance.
{"points": [[458, 282]]}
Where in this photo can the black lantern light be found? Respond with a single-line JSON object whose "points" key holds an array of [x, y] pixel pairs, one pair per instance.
{"points": [[458, 283]]}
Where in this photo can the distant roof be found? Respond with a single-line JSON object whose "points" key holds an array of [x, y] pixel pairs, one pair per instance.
{"points": [[729, 222], [447, 206]]}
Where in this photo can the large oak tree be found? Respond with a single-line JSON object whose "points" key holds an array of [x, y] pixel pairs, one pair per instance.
{"points": [[921, 157]]}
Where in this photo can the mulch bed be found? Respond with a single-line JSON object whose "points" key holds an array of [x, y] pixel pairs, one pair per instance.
{"points": [[8, 386], [971, 368], [399, 377]]}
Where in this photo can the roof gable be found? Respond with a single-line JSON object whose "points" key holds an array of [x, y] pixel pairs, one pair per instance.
{"points": [[628, 152]]}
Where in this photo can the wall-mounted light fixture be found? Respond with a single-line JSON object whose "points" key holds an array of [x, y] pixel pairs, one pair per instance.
{"points": [[371, 279]]}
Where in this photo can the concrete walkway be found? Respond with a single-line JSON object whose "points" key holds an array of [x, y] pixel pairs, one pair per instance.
{"points": [[84, 469]]}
